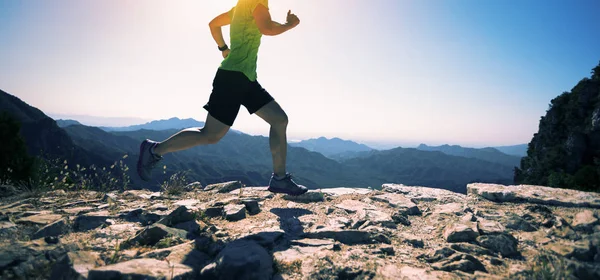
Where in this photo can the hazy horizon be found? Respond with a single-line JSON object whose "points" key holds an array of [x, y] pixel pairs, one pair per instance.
{"points": [[124, 122], [471, 73]]}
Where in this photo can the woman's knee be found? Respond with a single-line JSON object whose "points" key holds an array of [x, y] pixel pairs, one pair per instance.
{"points": [[213, 137], [280, 120]]}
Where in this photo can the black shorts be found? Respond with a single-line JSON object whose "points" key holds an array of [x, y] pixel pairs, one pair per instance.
{"points": [[232, 89]]}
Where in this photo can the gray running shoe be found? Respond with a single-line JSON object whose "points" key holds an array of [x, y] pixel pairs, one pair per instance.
{"points": [[147, 160], [286, 186]]}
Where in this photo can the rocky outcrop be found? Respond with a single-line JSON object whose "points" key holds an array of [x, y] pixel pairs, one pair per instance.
{"points": [[400, 232], [565, 152]]}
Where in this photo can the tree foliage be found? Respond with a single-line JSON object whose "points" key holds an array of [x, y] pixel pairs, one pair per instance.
{"points": [[15, 163], [565, 152]]}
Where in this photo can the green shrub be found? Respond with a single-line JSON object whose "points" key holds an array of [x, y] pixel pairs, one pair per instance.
{"points": [[15, 164], [176, 184]]}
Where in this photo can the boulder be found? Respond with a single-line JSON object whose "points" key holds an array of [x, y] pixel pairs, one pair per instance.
{"points": [[584, 221], [504, 243], [461, 233], [235, 212], [54, 229], [240, 259], [154, 233], [251, 206], [88, 222], [224, 187], [180, 215]]}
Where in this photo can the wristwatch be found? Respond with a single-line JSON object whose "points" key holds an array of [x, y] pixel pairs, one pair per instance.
{"points": [[224, 48]]}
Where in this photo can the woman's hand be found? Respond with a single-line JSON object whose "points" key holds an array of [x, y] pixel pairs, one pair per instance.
{"points": [[225, 53]]}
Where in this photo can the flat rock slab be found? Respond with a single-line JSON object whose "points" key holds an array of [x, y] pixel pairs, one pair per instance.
{"points": [[308, 242], [344, 191], [42, 219], [353, 206], [378, 217], [398, 201], [337, 222], [77, 210], [349, 237], [423, 193], [584, 221], [490, 227], [6, 225], [450, 209], [259, 193], [535, 194], [146, 269], [224, 187], [307, 197], [408, 272]]}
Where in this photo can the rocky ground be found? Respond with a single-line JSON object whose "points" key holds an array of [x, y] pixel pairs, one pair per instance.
{"points": [[227, 231]]}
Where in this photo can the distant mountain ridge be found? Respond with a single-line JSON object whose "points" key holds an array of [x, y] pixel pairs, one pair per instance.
{"points": [[513, 150], [64, 123], [487, 154], [331, 147], [172, 123], [42, 135], [410, 166], [247, 158], [169, 124]]}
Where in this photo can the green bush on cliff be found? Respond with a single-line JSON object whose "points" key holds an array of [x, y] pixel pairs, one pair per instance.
{"points": [[565, 152]]}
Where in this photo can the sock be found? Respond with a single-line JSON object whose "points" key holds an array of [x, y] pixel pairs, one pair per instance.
{"points": [[278, 177], [152, 149]]}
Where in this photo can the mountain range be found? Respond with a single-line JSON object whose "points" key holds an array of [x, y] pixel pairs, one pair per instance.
{"points": [[172, 123], [486, 154], [332, 148], [513, 150], [247, 158]]}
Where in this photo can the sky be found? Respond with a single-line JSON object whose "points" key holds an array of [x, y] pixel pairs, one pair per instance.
{"points": [[382, 72]]}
